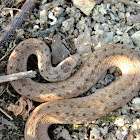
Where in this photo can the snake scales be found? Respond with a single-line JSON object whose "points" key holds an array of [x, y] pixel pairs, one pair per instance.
{"points": [[75, 110]]}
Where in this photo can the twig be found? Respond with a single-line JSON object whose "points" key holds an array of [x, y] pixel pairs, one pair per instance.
{"points": [[18, 134], [131, 27], [6, 114], [16, 76], [7, 53], [17, 20], [129, 2]]}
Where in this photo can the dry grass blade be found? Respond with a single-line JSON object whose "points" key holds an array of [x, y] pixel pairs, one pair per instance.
{"points": [[129, 2]]}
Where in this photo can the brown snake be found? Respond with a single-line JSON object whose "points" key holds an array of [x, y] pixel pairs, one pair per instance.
{"points": [[75, 110]]}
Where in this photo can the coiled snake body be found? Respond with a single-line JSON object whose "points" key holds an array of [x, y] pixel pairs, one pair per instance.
{"points": [[75, 110]]}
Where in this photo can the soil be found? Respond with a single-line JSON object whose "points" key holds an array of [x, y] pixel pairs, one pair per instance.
{"points": [[106, 127]]}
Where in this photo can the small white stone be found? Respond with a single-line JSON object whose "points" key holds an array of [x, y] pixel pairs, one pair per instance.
{"points": [[118, 32], [104, 130], [51, 16], [37, 21], [127, 15], [36, 27], [116, 38], [57, 130], [93, 89], [95, 133], [136, 104], [124, 109], [136, 100], [119, 134], [58, 11], [124, 133], [64, 134], [119, 121], [134, 126]]}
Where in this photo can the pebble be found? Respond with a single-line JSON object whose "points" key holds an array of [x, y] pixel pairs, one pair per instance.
{"points": [[20, 33], [58, 129], [77, 15], [112, 69], [79, 136], [59, 50], [108, 78], [71, 11], [137, 49], [68, 24], [136, 38], [119, 32], [119, 121], [93, 89], [58, 11], [75, 32], [43, 16], [81, 25], [35, 27], [136, 105], [98, 17], [124, 109], [106, 37], [95, 133], [52, 17], [83, 43], [97, 26], [121, 15], [113, 17], [120, 7], [116, 39], [104, 130], [85, 6], [126, 40], [136, 100], [102, 9], [105, 27], [111, 136], [136, 125], [121, 134], [64, 134]]}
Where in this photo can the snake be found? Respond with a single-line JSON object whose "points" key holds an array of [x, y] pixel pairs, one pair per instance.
{"points": [[60, 104]]}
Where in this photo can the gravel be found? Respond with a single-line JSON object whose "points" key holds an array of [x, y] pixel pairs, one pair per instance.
{"points": [[109, 22]]}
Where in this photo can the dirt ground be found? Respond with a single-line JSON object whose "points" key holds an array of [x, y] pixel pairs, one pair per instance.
{"points": [[30, 27]]}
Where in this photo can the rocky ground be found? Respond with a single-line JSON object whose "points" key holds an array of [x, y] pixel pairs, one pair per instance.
{"points": [[109, 21]]}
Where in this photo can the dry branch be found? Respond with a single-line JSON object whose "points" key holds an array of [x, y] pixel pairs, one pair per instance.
{"points": [[16, 76], [129, 2]]}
